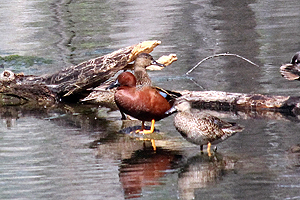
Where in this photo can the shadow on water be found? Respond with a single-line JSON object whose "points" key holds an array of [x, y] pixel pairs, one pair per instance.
{"points": [[141, 167]]}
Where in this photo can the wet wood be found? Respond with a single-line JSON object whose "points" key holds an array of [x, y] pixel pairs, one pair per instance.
{"points": [[18, 89], [218, 100]]}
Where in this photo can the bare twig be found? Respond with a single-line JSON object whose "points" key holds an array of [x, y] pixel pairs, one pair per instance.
{"points": [[218, 55]]}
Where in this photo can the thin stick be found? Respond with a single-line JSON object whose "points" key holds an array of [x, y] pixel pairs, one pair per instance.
{"points": [[218, 55]]}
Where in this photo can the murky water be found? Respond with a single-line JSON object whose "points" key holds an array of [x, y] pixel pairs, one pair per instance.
{"points": [[76, 152]]}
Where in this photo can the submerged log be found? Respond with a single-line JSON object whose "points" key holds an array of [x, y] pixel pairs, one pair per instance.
{"points": [[18, 89]]}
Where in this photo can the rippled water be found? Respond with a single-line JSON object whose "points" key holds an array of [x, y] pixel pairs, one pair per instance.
{"points": [[77, 152]]}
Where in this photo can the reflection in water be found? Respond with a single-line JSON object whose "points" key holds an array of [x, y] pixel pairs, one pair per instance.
{"points": [[51, 159], [86, 118], [235, 24], [202, 171], [145, 168]]}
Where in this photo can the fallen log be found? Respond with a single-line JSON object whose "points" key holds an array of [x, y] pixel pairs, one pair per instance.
{"points": [[76, 79], [70, 83], [218, 100], [73, 82]]}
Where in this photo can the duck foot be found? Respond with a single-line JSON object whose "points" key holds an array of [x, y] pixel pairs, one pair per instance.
{"points": [[208, 149], [144, 131]]}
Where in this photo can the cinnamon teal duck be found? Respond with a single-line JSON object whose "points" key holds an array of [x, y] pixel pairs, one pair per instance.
{"points": [[201, 128], [145, 103], [291, 71]]}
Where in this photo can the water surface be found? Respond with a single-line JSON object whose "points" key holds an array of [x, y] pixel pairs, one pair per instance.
{"points": [[77, 152]]}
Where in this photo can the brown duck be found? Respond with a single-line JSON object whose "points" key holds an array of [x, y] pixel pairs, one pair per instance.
{"points": [[201, 128]]}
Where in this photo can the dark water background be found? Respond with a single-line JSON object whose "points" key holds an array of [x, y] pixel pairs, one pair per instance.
{"points": [[76, 152]]}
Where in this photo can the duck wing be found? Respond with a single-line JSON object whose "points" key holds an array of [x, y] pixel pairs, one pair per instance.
{"points": [[290, 71], [226, 127], [167, 94]]}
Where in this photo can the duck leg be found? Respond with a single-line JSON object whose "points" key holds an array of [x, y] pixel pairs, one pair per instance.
{"points": [[153, 144], [151, 129], [147, 131], [201, 149], [208, 149]]}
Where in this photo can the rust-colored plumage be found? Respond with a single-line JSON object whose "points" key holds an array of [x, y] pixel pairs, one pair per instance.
{"points": [[145, 103]]}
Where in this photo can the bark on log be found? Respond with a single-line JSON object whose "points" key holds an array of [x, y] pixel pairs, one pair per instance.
{"points": [[16, 89], [70, 82], [218, 100], [76, 79]]}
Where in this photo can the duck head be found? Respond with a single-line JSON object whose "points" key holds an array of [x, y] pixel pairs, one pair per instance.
{"points": [[296, 59], [145, 60], [181, 105], [126, 79]]}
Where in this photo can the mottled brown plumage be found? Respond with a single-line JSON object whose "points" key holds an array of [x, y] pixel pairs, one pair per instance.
{"points": [[201, 128], [140, 64], [291, 71]]}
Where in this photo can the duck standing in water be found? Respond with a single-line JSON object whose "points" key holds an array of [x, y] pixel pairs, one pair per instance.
{"points": [[145, 103], [291, 71], [201, 128]]}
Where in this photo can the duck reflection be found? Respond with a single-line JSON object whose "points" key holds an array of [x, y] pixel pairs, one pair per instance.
{"points": [[202, 171], [145, 168]]}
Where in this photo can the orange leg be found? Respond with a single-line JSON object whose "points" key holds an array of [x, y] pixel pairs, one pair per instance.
{"points": [[151, 129], [153, 144], [147, 131], [142, 128], [208, 149]]}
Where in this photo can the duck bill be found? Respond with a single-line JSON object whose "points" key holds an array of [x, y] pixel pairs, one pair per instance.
{"points": [[113, 85], [155, 66], [170, 111]]}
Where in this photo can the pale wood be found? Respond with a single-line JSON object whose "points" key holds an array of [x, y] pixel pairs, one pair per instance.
{"points": [[72, 82], [242, 101]]}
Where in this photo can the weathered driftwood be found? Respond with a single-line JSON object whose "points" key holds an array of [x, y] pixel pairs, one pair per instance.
{"points": [[217, 100], [71, 82], [18, 89], [76, 79]]}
